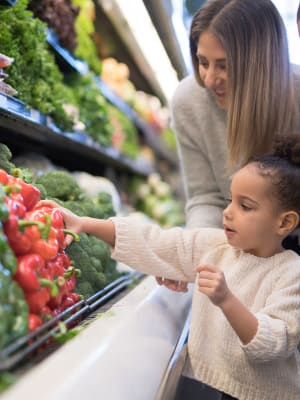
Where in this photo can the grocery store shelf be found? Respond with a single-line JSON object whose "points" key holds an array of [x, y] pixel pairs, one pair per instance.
{"points": [[67, 59], [133, 25], [29, 129], [65, 56], [10, 2], [149, 134]]}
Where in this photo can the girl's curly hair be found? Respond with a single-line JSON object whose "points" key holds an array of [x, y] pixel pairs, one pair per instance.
{"points": [[282, 168]]}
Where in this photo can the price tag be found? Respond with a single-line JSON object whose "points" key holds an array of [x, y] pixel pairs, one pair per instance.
{"points": [[35, 115], [3, 101]]}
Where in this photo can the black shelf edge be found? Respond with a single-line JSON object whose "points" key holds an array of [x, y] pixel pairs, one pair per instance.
{"points": [[76, 64], [22, 122], [8, 2]]}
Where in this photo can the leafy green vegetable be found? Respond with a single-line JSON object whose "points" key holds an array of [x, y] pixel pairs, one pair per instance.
{"points": [[34, 73], [84, 26], [92, 105]]}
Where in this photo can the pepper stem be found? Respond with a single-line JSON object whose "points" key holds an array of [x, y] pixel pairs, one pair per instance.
{"points": [[76, 237], [53, 287]]}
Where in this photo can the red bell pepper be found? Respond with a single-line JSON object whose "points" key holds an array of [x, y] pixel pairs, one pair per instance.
{"points": [[34, 321], [37, 300], [21, 233], [31, 274], [15, 203], [69, 300], [3, 177], [30, 193], [47, 248]]}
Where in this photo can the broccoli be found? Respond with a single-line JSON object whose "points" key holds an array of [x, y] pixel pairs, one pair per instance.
{"points": [[92, 257], [61, 185], [84, 288], [104, 202], [5, 157]]}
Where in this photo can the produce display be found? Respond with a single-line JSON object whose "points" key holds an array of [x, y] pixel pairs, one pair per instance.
{"points": [[34, 73], [59, 16], [116, 74], [5, 87], [90, 255], [125, 135], [155, 198], [39, 276], [84, 26], [92, 107]]}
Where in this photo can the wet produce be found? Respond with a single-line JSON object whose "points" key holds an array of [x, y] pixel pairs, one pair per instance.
{"points": [[36, 275]]}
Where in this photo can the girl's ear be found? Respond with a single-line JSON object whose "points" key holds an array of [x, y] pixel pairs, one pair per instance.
{"points": [[288, 222]]}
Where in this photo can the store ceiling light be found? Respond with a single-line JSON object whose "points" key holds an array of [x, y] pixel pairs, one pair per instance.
{"points": [[145, 34]]}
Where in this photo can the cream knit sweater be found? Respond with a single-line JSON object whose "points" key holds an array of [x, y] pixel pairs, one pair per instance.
{"points": [[268, 367]]}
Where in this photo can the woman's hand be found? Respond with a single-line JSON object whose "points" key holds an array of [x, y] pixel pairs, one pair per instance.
{"points": [[177, 286], [211, 281]]}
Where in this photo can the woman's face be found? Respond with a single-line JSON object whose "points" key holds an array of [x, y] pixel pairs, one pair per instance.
{"points": [[213, 66]]}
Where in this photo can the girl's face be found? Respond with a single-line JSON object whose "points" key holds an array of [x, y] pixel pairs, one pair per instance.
{"points": [[252, 218], [212, 66]]}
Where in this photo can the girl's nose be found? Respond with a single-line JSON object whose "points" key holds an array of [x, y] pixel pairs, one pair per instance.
{"points": [[227, 213]]}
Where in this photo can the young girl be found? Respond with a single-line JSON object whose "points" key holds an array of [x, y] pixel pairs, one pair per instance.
{"points": [[246, 307]]}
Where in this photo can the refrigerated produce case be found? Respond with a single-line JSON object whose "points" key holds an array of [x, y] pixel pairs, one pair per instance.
{"points": [[129, 351]]}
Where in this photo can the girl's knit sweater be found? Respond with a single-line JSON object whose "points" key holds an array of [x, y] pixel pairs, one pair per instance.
{"points": [[266, 368]]}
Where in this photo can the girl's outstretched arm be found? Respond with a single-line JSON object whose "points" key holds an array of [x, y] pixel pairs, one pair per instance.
{"points": [[102, 229]]}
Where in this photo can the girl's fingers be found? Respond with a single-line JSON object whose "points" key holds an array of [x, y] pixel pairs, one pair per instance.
{"points": [[206, 267], [208, 283]]}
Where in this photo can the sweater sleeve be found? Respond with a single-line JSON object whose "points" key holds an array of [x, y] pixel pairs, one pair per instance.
{"points": [[279, 321], [191, 122], [172, 253]]}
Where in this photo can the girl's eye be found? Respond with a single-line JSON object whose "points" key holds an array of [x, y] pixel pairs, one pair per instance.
{"points": [[228, 201], [246, 208]]}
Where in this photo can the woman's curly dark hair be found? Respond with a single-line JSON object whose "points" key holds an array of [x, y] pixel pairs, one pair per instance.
{"points": [[282, 168]]}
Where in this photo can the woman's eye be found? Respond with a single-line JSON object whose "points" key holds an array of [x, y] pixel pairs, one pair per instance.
{"points": [[228, 200], [203, 64]]}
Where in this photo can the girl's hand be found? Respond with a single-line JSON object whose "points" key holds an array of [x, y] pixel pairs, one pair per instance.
{"points": [[211, 281], [71, 220]]}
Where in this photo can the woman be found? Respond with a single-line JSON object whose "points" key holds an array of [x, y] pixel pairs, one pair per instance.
{"points": [[243, 90]]}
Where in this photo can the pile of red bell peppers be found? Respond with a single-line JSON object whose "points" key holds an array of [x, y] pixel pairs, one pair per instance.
{"points": [[36, 235]]}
